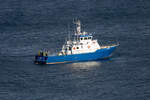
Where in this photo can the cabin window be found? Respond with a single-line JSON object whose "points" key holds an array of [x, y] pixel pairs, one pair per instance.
{"points": [[85, 38], [81, 38], [77, 47], [89, 37]]}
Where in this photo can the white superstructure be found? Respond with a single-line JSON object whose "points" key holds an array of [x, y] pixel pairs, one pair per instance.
{"points": [[83, 43]]}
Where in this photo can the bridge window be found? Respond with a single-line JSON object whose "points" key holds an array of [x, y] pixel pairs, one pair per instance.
{"points": [[89, 37], [85, 38]]}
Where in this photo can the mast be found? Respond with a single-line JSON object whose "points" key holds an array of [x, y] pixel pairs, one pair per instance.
{"points": [[69, 32], [78, 27], [78, 24]]}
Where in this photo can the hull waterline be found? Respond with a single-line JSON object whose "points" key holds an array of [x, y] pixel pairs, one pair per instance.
{"points": [[98, 54]]}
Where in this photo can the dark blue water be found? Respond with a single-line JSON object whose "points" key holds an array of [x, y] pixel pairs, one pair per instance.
{"points": [[29, 26]]}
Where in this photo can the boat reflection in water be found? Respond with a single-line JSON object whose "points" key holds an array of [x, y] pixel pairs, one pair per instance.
{"points": [[85, 65]]}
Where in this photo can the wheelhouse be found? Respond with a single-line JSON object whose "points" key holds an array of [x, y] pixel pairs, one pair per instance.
{"points": [[85, 37]]}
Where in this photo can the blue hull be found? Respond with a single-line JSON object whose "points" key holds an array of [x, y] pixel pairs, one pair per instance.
{"points": [[99, 54]]}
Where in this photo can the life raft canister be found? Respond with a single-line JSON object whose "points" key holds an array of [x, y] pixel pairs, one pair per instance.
{"points": [[89, 46], [74, 48]]}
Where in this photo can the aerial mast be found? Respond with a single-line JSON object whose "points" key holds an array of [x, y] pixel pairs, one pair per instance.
{"points": [[69, 32], [78, 27]]}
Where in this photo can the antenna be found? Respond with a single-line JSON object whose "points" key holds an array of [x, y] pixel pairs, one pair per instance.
{"points": [[78, 26], [69, 32]]}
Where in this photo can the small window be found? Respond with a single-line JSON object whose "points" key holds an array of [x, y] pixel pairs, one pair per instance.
{"points": [[85, 38], [77, 47], [89, 37], [81, 38]]}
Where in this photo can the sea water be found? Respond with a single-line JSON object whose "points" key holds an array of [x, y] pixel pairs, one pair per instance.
{"points": [[29, 26]]}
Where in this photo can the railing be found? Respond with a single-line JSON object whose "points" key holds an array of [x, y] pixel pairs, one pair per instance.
{"points": [[108, 46]]}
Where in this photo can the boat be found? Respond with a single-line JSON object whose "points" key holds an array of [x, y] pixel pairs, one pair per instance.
{"points": [[81, 48]]}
